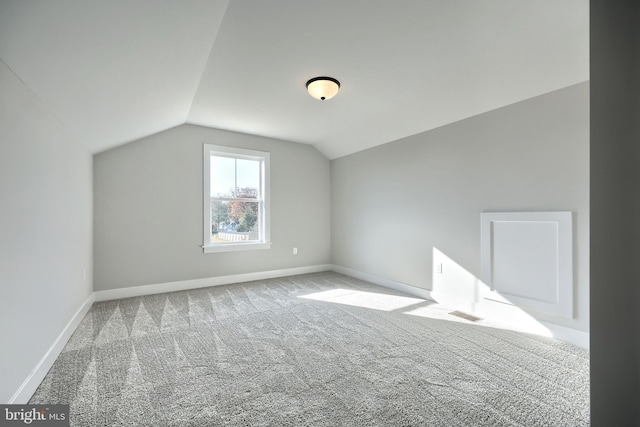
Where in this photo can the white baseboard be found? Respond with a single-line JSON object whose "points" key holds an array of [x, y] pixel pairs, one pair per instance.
{"points": [[563, 333], [569, 335], [31, 383], [387, 283], [204, 283]]}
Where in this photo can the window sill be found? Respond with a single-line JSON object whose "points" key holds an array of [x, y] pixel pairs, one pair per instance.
{"points": [[234, 247]]}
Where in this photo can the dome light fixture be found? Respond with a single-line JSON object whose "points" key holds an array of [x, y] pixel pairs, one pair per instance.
{"points": [[323, 87]]}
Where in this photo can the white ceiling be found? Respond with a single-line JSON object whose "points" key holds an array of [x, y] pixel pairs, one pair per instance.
{"points": [[113, 71]]}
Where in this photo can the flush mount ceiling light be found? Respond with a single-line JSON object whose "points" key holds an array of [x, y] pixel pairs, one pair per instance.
{"points": [[323, 87]]}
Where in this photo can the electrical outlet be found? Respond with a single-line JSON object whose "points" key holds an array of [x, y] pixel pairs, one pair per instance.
{"points": [[295, 251], [439, 268]]}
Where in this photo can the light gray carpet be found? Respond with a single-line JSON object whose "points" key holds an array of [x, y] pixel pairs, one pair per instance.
{"points": [[258, 354]]}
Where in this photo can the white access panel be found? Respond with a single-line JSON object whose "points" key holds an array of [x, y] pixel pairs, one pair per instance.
{"points": [[527, 260]]}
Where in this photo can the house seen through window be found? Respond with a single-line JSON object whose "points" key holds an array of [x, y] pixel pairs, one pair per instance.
{"points": [[236, 199]]}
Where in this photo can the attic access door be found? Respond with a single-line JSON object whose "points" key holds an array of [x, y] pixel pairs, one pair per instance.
{"points": [[527, 260]]}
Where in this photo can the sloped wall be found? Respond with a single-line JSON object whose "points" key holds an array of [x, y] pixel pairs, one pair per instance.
{"points": [[45, 229]]}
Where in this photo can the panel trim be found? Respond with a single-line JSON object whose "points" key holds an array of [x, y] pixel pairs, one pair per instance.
{"points": [[564, 305]]}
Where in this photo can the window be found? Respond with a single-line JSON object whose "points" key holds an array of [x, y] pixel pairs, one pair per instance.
{"points": [[236, 199]]}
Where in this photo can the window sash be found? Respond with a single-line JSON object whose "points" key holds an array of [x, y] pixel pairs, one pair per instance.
{"points": [[236, 187], [236, 199]]}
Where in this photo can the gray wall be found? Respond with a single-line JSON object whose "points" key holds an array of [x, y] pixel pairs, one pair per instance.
{"points": [[148, 209], [615, 213], [45, 229], [393, 204]]}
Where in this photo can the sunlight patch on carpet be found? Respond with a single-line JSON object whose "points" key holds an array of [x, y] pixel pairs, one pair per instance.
{"points": [[376, 301]]}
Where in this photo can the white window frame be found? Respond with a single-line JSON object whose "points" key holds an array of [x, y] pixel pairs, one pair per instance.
{"points": [[264, 241]]}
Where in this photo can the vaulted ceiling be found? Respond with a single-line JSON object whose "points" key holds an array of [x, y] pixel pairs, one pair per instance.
{"points": [[113, 71]]}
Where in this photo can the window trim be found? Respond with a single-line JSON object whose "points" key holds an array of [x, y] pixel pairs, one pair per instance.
{"points": [[265, 233]]}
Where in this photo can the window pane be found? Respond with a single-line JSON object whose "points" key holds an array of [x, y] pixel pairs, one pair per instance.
{"points": [[248, 178], [235, 221], [219, 215], [223, 176]]}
